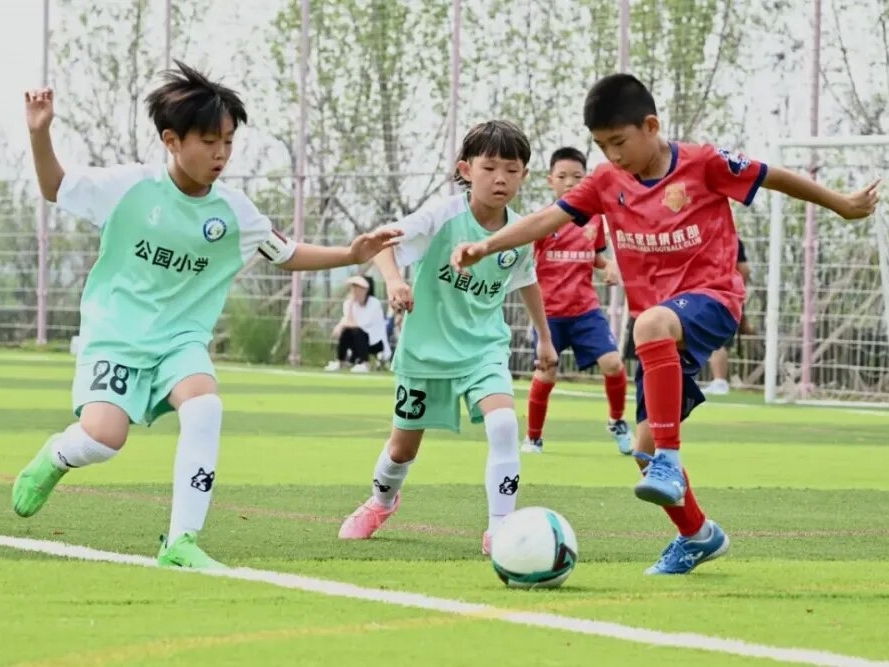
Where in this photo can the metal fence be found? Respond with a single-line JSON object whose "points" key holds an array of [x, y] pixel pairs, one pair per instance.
{"points": [[343, 139]]}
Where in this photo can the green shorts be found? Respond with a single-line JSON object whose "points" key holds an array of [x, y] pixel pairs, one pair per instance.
{"points": [[422, 403], [140, 392]]}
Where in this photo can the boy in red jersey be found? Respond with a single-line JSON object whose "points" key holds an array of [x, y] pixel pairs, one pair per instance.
{"points": [[675, 242], [565, 260]]}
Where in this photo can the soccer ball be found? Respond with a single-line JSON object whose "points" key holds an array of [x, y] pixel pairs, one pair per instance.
{"points": [[534, 547]]}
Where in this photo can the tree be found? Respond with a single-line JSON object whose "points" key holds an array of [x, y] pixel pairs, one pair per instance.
{"points": [[375, 129], [551, 63], [681, 49], [106, 55], [854, 73]]}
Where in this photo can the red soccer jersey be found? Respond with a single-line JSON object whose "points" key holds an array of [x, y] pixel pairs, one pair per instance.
{"points": [[675, 234], [564, 263]]}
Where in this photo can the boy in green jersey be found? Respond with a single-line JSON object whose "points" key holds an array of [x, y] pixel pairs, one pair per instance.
{"points": [[455, 342], [172, 240]]}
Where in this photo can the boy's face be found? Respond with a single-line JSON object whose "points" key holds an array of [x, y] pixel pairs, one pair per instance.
{"points": [[495, 181], [202, 157], [629, 147], [564, 175]]}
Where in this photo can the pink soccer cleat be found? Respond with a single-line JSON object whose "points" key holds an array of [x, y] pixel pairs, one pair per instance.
{"points": [[486, 543], [367, 519]]}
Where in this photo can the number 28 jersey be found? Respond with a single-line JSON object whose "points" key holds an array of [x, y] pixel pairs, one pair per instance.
{"points": [[166, 260]]}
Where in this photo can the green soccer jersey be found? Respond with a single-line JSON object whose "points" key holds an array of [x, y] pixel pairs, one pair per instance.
{"points": [[457, 322], [166, 260]]}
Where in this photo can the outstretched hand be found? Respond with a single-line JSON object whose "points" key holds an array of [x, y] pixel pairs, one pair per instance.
{"points": [[467, 254], [860, 204], [366, 246]]}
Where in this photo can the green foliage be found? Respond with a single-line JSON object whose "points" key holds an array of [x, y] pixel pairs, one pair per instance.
{"points": [[680, 48], [253, 335]]}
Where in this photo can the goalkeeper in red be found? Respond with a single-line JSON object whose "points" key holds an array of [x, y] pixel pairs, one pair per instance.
{"points": [[671, 226]]}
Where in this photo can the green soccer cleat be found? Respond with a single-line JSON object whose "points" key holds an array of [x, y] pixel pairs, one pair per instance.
{"points": [[35, 482], [185, 552]]}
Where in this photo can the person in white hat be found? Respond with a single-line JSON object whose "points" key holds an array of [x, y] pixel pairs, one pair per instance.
{"points": [[362, 330]]}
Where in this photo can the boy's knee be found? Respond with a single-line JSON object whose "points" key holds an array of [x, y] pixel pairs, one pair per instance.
{"points": [[657, 323], [105, 423], [611, 364]]}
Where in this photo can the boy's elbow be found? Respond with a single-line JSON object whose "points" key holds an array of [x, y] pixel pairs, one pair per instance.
{"points": [[50, 194]]}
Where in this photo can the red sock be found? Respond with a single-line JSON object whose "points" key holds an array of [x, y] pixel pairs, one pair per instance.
{"points": [[688, 518], [538, 401], [616, 391], [662, 384]]}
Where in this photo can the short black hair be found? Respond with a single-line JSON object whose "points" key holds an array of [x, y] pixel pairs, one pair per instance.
{"points": [[494, 138], [567, 153], [187, 100], [617, 100]]}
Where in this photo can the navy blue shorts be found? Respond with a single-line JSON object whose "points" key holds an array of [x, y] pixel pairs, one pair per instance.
{"points": [[588, 335], [707, 325]]}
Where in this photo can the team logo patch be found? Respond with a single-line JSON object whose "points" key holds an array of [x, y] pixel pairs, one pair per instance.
{"points": [[214, 229], [682, 303], [735, 161], [675, 197], [620, 199], [507, 258]]}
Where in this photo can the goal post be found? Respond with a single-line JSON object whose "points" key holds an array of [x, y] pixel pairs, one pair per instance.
{"points": [[842, 295]]}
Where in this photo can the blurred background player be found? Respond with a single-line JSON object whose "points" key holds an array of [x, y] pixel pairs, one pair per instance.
{"points": [[719, 385], [564, 262], [455, 341], [172, 240], [674, 238]]}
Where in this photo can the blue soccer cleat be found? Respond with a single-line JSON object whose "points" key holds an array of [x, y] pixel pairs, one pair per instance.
{"points": [[663, 483], [623, 436], [683, 555]]}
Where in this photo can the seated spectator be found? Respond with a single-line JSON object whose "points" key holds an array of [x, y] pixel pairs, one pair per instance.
{"points": [[361, 333]]}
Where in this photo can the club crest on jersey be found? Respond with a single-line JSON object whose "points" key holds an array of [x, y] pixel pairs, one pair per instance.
{"points": [[507, 258], [620, 198], [736, 162], [675, 197], [214, 229]]}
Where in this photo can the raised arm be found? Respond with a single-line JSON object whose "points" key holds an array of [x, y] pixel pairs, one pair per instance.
{"points": [[38, 115], [528, 229], [851, 206], [311, 257]]}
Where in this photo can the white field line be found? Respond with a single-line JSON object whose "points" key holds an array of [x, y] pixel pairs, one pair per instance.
{"points": [[685, 640]]}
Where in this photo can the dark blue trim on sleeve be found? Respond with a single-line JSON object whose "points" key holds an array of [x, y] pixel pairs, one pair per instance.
{"points": [[763, 170], [580, 218]]}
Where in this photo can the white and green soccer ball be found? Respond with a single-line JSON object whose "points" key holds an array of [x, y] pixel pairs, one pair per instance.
{"points": [[534, 547]]}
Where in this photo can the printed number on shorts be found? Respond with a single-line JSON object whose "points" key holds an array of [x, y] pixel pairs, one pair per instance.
{"points": [[118, 380], [416, 409]]}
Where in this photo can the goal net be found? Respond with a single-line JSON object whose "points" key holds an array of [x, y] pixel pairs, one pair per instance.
{"points": [[827, 318]]}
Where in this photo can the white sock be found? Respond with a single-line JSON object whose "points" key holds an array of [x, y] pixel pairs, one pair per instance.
{"points": [[703, 534], [194, 471], [74, 448], [388, 478], [502, 471], [672, 455]]}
